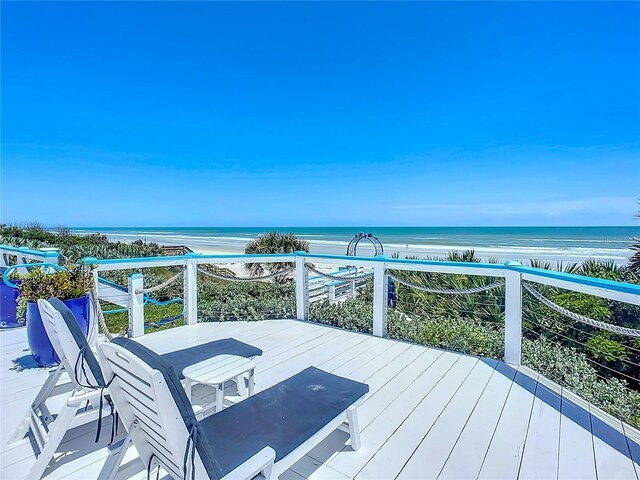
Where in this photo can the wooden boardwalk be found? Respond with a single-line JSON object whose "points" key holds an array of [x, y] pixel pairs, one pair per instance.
{"points": [[429, 414]]}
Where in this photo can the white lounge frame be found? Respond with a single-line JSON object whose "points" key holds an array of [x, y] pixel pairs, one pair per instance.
{"points": [[159, 434], [48, 431]]}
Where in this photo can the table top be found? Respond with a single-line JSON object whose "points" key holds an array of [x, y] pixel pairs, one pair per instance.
{"points": [[218, 369]]}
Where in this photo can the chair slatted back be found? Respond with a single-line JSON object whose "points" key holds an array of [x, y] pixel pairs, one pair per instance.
{"points": [[142, 397], [48, 313], [66, 346]]}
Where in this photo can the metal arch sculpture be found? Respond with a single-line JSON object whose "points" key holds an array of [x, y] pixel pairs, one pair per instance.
{"points": [[352, 248]]}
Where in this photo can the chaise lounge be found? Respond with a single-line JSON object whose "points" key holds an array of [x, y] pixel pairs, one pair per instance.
{"points": [[88, 385], [262, 435]]}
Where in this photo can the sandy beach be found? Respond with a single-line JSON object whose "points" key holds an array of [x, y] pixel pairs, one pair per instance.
{"points": [[548, 244]]}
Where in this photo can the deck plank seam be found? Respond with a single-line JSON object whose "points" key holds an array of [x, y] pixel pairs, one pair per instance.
{"points": [[426, 394], [498, 422], [467, 421], [439, 415]]}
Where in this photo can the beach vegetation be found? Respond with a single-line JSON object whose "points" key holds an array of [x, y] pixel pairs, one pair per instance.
{"points": [[74, 247], [274, 242]]}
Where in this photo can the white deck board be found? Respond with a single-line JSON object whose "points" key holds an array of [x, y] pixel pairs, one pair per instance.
{"points": [[503, 457], [389, 460], [540, 457], [429, 413], [576, 456], [467, 455], [384, 424], [432, 453]]}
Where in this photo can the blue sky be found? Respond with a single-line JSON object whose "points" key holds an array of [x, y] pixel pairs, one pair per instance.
{"points": [[303, 114]]}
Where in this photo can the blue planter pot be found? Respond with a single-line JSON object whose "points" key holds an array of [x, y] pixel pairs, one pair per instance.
{"points": [[41, 347], [8, 316]]}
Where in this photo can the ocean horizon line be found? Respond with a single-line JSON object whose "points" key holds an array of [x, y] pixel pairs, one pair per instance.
{"points": [[346, 226]]}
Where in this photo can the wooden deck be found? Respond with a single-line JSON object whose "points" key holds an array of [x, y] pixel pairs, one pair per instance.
{"points": [[429, 413]]}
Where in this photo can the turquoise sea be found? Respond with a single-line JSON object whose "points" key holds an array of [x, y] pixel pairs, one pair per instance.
{"points": [[569, 244]]}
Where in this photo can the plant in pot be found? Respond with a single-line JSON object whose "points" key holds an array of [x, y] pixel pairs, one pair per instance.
{"points": [[72, 286]]}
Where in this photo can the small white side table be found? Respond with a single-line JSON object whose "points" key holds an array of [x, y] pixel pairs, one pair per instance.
{"points": [[216, 371]]}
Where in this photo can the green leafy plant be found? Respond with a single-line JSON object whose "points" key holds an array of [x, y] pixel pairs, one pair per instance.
{"points": [[68, 284], [274, 242]]}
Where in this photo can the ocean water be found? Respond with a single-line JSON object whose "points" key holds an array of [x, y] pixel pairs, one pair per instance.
{"points": [[567, 244]]}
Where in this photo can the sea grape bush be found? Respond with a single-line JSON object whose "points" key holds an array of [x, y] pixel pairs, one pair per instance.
{"points": [[75, 247], [226, 301]]}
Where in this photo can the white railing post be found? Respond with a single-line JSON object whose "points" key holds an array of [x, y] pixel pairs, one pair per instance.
{"points": [[51, 254], [332, 293], [22, 260], [513, 316], [191, 291], [135, 283], [380, 299], [302, 289]]}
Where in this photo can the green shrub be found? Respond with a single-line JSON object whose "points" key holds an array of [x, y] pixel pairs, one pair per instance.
{"points": [[68, 284], [225, 301]]}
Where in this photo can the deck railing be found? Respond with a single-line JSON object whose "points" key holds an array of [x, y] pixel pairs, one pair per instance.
{"points": [[501, 308], [513, 274], [20, 255]]}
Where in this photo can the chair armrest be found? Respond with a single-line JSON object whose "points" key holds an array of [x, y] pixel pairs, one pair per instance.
{"points": [[263, 460], [77, 400]]}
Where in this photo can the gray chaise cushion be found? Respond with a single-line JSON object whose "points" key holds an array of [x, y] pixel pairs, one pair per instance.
{"points": [[282, 417]]}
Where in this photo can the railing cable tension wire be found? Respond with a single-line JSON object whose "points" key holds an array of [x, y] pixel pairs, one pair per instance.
{"points": [[160, 286], [446, 291], [577, 342], [338, 277], [247, 279], [631, 332]]}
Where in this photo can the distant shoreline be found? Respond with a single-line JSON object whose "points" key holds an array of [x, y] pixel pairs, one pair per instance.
{"points": [[551, 244]]}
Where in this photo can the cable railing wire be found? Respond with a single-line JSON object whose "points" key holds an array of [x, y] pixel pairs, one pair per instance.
{"points": [[161, 285], [595, 363], [446, 291], [631, 332], [590, 360], [284, 271], [626, 361], [339, 277]]}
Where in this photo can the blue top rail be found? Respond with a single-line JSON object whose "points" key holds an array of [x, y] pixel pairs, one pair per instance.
{"points": [[580, 279], [402, 261], [179, 258], [7, 272], [610, 285], [29, 251]]}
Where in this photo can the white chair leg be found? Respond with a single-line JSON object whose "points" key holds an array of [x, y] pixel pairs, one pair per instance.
{"points": [[242, 388], [56, 434], [268, 473], [252, 382], [354, 427], [219, 397], [116, 455], [38, 403]]}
